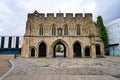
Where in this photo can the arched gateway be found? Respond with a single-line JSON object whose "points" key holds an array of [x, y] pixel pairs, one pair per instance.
{"points": [[64, 48], [61, 52], [42, 50], [77, 49], [78, 36]]}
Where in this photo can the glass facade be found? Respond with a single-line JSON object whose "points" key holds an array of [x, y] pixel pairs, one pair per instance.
{"points": [[113, 30]]}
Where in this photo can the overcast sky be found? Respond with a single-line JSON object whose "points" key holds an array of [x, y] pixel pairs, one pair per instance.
{"points": [[13, 13]]}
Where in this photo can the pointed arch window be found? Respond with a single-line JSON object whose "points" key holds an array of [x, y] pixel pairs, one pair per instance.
{"points": [[98, 52], [78, 30], [41, 30], [32, 52], [54, 30], [65, 30]]}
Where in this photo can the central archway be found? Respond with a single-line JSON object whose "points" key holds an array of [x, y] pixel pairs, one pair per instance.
{"points": [[59, 50], [64, 49]]}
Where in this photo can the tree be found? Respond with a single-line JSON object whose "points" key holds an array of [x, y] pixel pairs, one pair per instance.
{"points": [[58, 48], [103, 32]]}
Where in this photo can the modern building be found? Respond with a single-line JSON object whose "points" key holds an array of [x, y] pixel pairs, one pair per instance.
{"points": [[10, 44], [113, 30], [79, 35]]}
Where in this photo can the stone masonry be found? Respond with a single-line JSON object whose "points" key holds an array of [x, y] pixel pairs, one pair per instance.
{"points": [[79, 35]]}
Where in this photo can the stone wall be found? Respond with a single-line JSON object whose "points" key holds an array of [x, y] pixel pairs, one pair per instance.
{"points": [[89, 33]]}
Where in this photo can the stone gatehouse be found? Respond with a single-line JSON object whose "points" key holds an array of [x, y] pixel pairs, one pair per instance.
{"points": [[79, 35]]}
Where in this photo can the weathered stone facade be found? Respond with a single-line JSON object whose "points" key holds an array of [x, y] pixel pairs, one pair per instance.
{"points": [[81, 37]]}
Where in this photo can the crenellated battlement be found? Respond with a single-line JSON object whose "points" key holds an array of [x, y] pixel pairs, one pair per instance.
{"points": [[67, 15]]}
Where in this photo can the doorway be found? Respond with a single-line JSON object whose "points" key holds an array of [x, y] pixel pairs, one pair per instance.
{"points": [[77, 49], [59, 50], [87, 52], [42, 50], [32, 52]]}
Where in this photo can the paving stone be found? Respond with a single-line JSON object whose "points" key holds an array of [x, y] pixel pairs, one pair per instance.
{"points": [[56, 77], [63, 77], [48, 77], [65, 69]]}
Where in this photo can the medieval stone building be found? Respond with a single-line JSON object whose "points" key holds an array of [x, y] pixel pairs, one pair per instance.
{"points": [[79, 35]]}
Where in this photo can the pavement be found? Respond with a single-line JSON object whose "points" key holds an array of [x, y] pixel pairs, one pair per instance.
{"points": [[59, 77], [4, 64], [65, 69]]}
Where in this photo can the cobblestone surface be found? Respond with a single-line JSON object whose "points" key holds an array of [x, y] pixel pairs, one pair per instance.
{"points": [[109, 66]]}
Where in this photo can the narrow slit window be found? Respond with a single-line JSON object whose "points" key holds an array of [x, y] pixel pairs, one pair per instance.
{"points": [[78, 30]]}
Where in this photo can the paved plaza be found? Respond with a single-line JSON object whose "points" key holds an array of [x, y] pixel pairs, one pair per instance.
{"points": [[59, 77], [4, 63], [65, 69]]}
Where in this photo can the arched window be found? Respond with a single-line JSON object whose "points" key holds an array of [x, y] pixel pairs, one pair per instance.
{"points": [[53, 30], [65, 30], [78, 30], [41, 30], [98, 52]]}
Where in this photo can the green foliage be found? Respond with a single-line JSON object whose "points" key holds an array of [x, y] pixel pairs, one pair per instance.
{"points": [[58, 48], [104, 35]]}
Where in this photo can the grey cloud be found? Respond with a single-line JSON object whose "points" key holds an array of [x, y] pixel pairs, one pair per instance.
{"points": [[13, 14], [108, 9]]}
